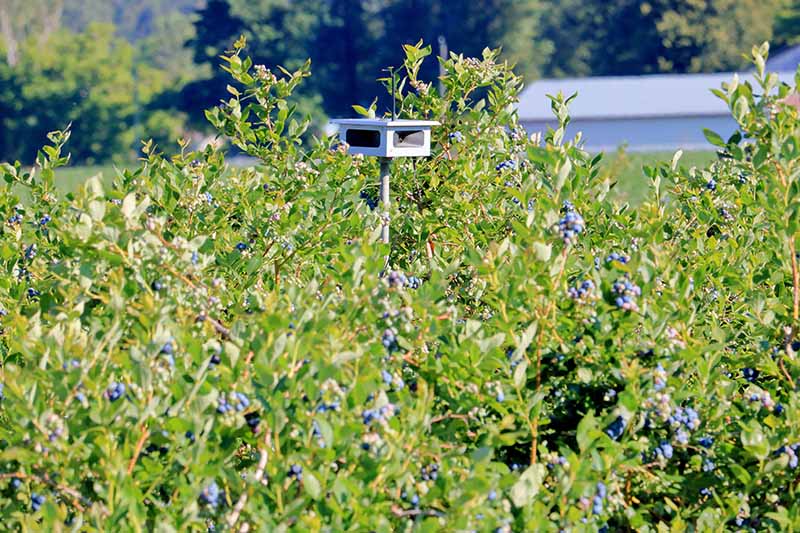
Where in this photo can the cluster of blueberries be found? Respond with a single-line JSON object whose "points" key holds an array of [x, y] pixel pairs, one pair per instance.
{"points": [[554, 460], [371, 201], [16, 218], [687, 417], [750, 374], [614, 256], [571, 224], [597, 501], [37, 500], [509, 164], [388, 379], [211, 494], [333, 406], [456, 137], [599, 497], [296, 472], [115, 391], [398, 279], [790, 451], [625, 293], [711, 185], [664, 450], [368, 416], [583, 291], [616, 428], [389, 340], [430, 472], [531, 202], [168, 351], [659, 378], [766, 401], [240, 403]]}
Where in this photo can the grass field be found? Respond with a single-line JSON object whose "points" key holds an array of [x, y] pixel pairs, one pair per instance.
{"points": [[625, 166]]}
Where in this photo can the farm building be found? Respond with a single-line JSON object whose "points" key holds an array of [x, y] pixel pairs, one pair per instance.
{"points": [[645, 113]]}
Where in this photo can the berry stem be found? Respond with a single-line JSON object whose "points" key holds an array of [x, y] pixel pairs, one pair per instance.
{"points": [[138, 450], [259, 476], [539, 340]]}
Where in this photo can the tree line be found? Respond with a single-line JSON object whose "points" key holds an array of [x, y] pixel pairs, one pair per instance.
{"points": [[121, 71]]}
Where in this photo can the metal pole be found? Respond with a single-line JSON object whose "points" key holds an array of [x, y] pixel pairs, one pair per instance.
{"points": [[444, 54], [385, 165]]}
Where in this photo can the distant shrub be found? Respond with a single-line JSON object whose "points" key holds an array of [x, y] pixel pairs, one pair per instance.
{"points": [[86, 80]]}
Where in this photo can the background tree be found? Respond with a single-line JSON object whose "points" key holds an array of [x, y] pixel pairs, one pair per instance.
{"points": [[787, 24], [86, 79], [622, 37]]}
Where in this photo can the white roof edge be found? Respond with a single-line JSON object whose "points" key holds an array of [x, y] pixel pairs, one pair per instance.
{"points": [[383, 122], [608, 97]]}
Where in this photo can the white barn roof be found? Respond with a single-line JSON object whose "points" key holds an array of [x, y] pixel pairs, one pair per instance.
{"points": [[659, 95], [785, 61], [628, 96]]}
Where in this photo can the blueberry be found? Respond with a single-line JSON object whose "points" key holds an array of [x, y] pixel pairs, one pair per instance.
{"points": [[253, 419], [386, 377], [190, 436], [415, 500], [241, 247], [616, 428], [492, 495], [156, 285], [167, 348], [750, 374], [16, 483], [500, 396]]}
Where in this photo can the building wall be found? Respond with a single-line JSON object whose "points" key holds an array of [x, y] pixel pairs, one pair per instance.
{"points": [[644, 134]]}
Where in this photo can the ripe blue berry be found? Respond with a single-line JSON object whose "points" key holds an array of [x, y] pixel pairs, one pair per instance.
{"points": [[115, 391], [211, 494], [616, 428], [750, 374]]}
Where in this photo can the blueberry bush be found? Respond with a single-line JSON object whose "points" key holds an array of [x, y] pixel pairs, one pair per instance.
{"points": [[198, 347]]}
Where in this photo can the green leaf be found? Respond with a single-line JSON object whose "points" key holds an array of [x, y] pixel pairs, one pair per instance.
{"points": [[311, 485], [754, 441], [528, 485], [713, 138], [543, 251]]}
